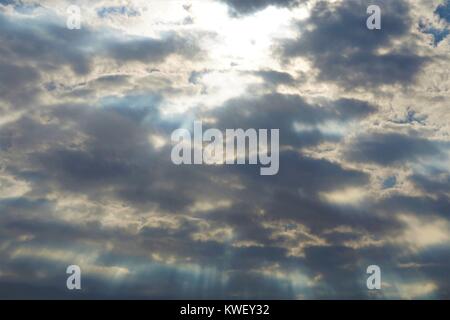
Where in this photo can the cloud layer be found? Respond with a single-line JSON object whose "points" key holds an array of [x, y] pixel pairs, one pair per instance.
{"points": [[85, 170]]}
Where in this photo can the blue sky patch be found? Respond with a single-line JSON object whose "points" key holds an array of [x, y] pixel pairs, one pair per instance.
{"points": [[118, 10]]}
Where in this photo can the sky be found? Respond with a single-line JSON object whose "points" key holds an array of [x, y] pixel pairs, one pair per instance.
{"points": [[86, 178]]}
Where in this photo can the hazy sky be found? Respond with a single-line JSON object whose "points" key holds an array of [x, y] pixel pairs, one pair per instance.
{"points": [[86, 177]]}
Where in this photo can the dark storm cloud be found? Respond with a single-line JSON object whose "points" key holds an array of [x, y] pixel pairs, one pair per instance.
{"points": [[295, 194], [432, 264], [151, 50], [336, 40], [28, 134], [118, 153], [13, 77], [233, 263], [438, 183], [51, 45], [336, 263], [244, 7], [154, 280], [275, 77], [47, 45], [292, 194], [424, 206], [117, 157], [391, 148], [284, 111]]}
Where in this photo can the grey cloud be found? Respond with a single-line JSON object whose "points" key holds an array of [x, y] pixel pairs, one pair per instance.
{"points": [[276, 77], [245, 7], [437, 183], [51, 45], [336, 40], [151, 50], [14, 76], [283, 111], [422, 206], [47, 45], [391, 148]]}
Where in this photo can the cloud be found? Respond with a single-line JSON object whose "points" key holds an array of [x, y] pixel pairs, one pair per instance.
{"points": [[49, 45], [276, 77], [422, 234], [416, 290], [150, 50], [14, 76], [245, 7], [438, 25], [391, 148], [334, 38], [438, 183], [285, 111]]}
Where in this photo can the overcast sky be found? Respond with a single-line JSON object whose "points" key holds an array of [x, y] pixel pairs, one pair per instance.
{"points": [[86, 176]]}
